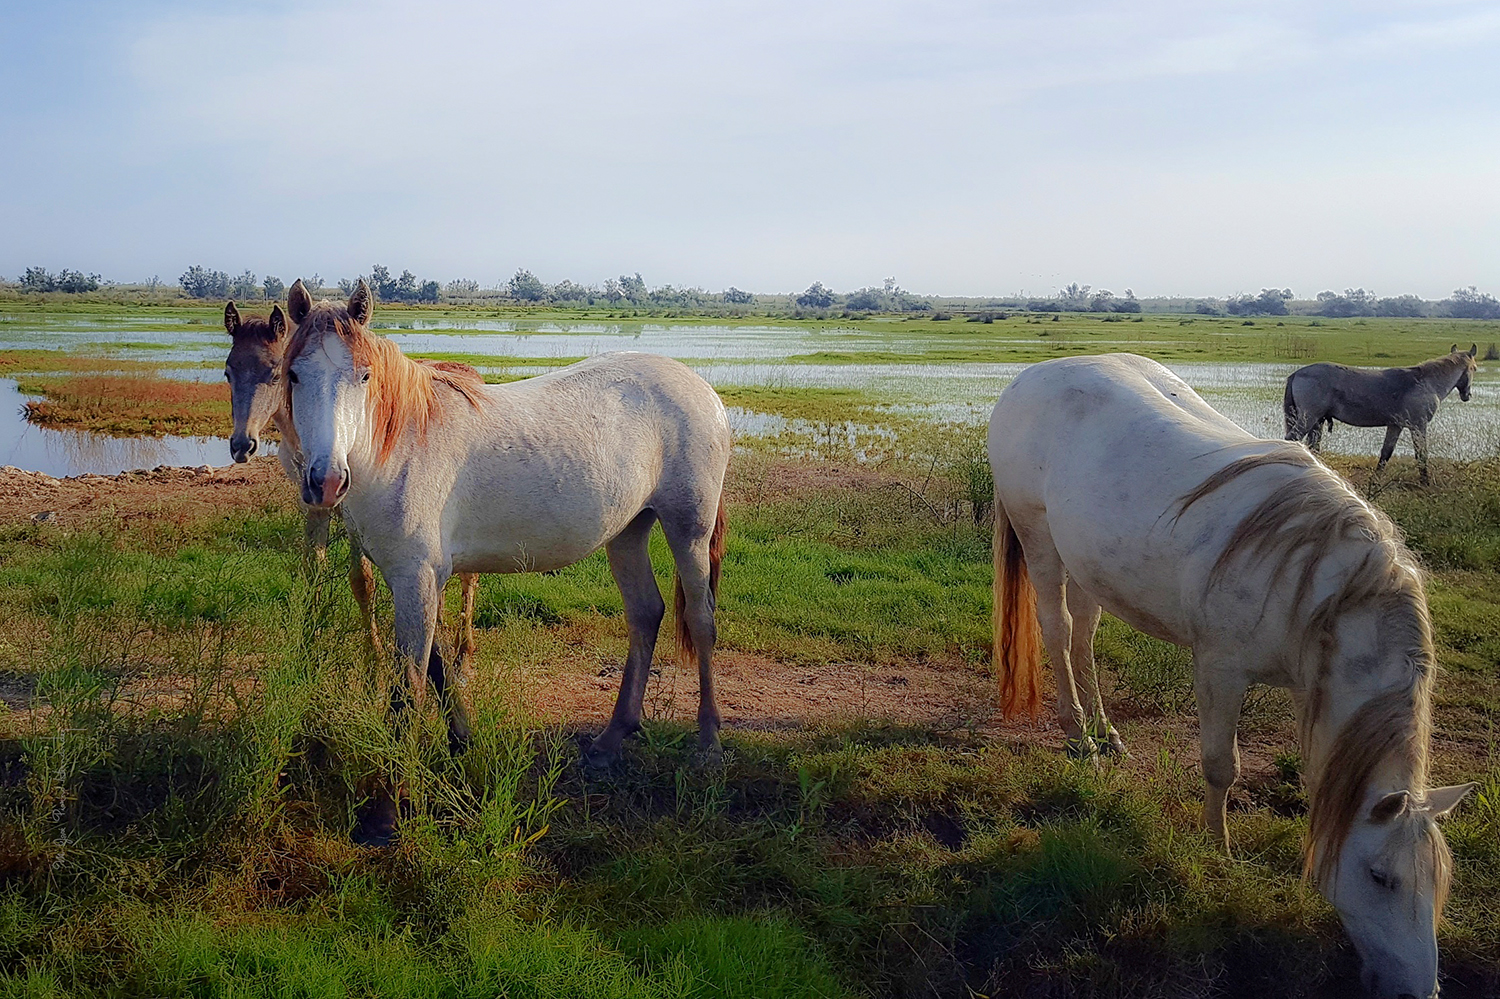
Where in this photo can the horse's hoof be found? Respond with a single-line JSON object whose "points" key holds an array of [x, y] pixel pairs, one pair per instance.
{"points": [[1082, 748], [458, 743], [1114, 745], [597, 757], [709, 757], [377, 823]]}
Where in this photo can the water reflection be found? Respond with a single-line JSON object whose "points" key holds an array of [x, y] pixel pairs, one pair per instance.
{"points": [[61, 453]]}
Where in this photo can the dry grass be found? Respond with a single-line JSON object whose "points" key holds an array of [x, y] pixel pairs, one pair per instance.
{"points": [[128, 405]]}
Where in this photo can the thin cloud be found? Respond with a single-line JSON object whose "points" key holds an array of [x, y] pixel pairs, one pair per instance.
{"points": [[964, 147]]}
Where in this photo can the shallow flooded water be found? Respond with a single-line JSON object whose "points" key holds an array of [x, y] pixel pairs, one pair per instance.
{"points": [[61, 453], [1248, 393]]}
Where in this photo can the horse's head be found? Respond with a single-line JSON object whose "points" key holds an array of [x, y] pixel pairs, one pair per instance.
{"points": [[1471, 364], [253, 371], [327, 370], [1389, 887]]}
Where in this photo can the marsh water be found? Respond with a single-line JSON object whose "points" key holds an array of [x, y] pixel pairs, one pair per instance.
{"points": [[61, 453], [766, 355]]}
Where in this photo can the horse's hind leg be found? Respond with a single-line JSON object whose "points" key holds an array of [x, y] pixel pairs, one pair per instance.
{"points": [[630, 564], [463, 639], [1392, 435], [1220, 695], [1315, 436], [1049, 579], [693, 540], [1419, 446], [1085, 611]]}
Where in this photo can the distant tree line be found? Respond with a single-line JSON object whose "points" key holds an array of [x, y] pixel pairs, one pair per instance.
{"points": [[625, 290], [1083, 298], [204, 282], [632, 291], [71, 282], [1464, 303], [406, 288]]}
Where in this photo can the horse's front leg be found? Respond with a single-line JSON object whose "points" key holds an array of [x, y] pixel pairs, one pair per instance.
{"points": [[415, 592], [362, 585], [1221, 694], [315, 538]]}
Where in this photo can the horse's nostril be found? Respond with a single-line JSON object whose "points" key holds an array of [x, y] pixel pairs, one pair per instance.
{"points": [[250, 449]]}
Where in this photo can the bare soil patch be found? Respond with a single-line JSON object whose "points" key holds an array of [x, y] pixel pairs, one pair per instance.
{"points": [[175, 492]]}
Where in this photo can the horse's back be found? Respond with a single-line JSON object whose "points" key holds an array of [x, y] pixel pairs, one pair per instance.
{"points": [[625, 380], [1123, 402], [1095, 454], [556, 465], [1360, 397]]}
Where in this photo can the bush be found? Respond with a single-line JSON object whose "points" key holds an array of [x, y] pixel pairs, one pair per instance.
{"points": [[69, 282], [201, 282]]}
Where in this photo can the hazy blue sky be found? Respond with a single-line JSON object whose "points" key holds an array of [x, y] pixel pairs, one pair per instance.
{"points": [[964, 148]]}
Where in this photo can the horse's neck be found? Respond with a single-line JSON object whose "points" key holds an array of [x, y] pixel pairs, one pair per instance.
{"points": [[283, 421], [1443, 378], [1370, 693]]}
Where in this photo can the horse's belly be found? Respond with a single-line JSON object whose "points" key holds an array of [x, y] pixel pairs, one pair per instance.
{"points": [[536, 533], [1143, 591], [528, 555]]}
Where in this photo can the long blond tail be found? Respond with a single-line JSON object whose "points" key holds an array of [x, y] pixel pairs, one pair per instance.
{"points": [[1018, 634]]}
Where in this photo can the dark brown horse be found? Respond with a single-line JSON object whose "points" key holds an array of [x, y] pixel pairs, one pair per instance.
{"points": [[1395, 398]]}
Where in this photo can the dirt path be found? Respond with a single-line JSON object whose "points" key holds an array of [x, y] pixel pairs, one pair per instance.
{"points": [[163, 492]]}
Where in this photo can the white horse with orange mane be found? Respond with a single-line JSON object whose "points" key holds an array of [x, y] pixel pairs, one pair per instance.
{"points": [[438, 473], [1118, 488], [256, 397]]}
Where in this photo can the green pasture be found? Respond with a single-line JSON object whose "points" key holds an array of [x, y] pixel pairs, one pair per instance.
{"points": [[174, 819]]}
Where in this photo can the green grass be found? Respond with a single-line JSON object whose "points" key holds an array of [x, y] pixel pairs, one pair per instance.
{"points": [[884, 339], [176, 821]]}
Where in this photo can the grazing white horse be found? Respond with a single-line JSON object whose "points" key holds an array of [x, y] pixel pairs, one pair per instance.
{"points": [[1117, 487], [438, 473]]}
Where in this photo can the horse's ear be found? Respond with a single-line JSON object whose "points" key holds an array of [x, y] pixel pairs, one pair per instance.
{"points": [[1390, 806], [298, 302], [278, 323], [360, 303], [231, 319], [1453, 349], [1473, 350], [1442, 800]]}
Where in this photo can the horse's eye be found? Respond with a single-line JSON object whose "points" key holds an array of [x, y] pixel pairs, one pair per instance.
{"points": [[364, 377], [226, 375], [1381, 878], [293, 376]]}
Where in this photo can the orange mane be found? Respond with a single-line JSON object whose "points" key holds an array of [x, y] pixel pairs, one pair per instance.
{"points": [[404, 391]]}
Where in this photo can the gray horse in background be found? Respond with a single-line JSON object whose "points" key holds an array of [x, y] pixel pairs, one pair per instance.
{"points": [[1395, 398]]}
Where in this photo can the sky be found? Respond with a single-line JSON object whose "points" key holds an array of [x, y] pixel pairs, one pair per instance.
{"points": [[963, 148]]}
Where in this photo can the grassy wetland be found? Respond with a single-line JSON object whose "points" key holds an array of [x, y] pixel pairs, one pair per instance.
{"points": [[191, 719]]}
